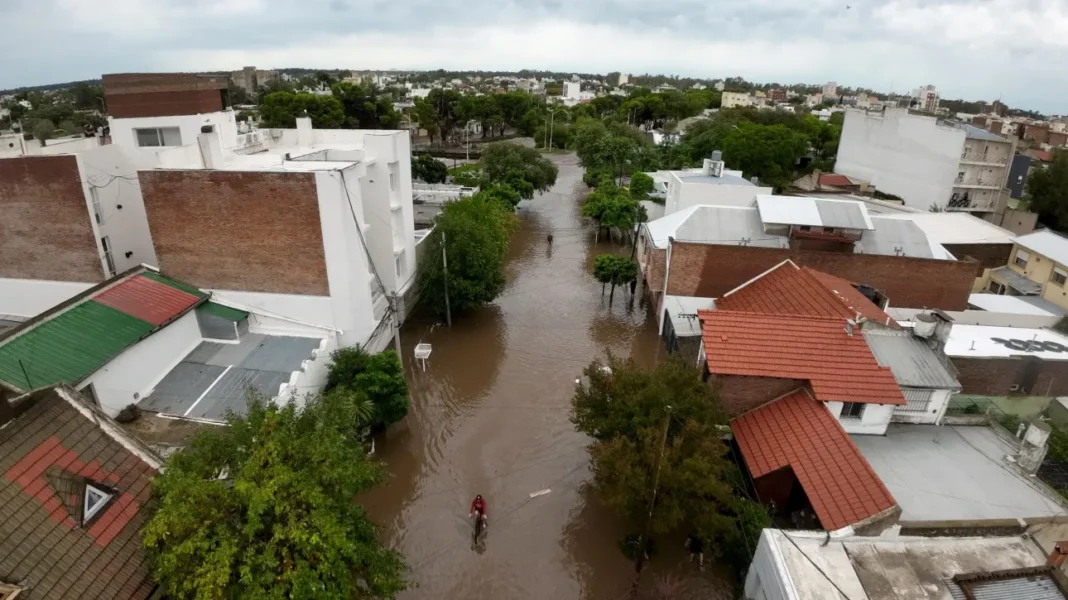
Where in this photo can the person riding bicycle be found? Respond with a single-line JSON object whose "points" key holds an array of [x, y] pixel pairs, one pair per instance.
{"points": [[478, 504]]}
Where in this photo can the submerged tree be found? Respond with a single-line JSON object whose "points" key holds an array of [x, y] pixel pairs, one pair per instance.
{"points": [[377, 377], [264, 508]]}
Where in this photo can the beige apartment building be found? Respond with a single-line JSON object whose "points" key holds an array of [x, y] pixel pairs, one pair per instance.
{"points": [[1038, 267]]}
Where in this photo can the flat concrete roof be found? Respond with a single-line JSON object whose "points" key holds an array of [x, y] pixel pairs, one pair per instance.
{"points": [[954, 473]]}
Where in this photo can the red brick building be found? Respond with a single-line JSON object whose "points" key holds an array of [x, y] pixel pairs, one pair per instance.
{"points": [[73, 487], [131, 95]]}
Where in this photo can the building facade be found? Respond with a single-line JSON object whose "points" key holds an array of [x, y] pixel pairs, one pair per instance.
{"points": [[735, 99], [1037, 266]]}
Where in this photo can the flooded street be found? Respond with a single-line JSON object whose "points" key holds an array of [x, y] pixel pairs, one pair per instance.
{"points": [[490, 416]]}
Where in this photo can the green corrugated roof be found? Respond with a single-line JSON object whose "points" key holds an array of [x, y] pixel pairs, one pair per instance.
{"points": [[230, 314], [71, 346], [175, 284]]}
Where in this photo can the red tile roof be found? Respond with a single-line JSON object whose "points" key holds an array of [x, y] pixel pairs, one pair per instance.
{"points": [[56, 442], [789, 290], [834, 179], [840, 367], [1042, 155], [147, 299], [798, 432]]}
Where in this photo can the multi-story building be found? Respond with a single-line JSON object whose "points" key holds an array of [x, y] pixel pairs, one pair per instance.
{"points": [[925, 98], [926, 161], [830, 89], [733, 99], [777, 95], [251, 79], [1038, 266]]}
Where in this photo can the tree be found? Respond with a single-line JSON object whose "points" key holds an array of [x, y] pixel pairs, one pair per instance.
{"points": [[641, 185], [440, 109], [504, 195], [264, 508], [524, 169], [87, 96], [379, 377], [1047, 191], [466, 175], [614, 270], [474, 233], [281, 109], [624, 408], [429, 169], [365, 107], [43, 129], [768, 152], [612, 208]]}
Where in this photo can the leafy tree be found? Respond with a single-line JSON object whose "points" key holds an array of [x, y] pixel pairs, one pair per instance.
{"points": [[476, 234], [365, 107], [466, 175], [429, 169], [612, 208], [507, 197], [624, 407], [440, 109], [768, 152], [522, 168], [87, 96], [641, 185], [43, 130], [379, 377], [281, 109], [264, 509], [1047, 191], [561, 136], [614, 270]]}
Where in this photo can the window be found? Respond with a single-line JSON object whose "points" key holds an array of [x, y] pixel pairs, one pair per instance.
{"points": [[97, 213], [916, 401], [852, 411], [392, 181], [158, 136], [1059, 276], [996, 288], [960, 176], [96, 499], [105, 243], [1021, 259]]}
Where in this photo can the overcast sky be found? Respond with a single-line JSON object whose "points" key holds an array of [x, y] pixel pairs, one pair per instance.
{"points": [[975, 49]]}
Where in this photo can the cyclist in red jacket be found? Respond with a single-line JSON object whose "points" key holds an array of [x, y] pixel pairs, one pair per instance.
{"points": [[478, 504]]}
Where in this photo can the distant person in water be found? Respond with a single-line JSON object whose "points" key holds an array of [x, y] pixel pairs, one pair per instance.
{"points": [[550, 238]]}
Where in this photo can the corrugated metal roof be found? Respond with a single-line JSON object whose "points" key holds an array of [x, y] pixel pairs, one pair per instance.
{"points": [[892, 237], [70, 346], [225, 312], [175, 284], [978, 133], [910, 360], [729, 225], [815, 212], [850, 215], [147, 299], [1016, 281], [1038, 586]]}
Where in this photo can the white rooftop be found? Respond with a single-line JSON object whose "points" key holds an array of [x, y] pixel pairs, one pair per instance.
{"points": [[1047, 243], [956, 228], [1020, 305], [984, 341], [883, 568], [814, 212], [682, 310]]}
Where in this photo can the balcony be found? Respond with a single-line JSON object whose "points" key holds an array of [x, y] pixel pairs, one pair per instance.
{"points": [[965, 202], [990, 183], [979, 158]]}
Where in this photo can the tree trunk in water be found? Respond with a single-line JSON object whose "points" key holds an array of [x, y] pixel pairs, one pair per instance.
{"points": [[611, 294], [602, 288], [597, 236]]}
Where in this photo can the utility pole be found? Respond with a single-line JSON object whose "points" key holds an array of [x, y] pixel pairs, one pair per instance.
{"points": [[551, 117], [445, 270], [640, 562], [396, 327]]}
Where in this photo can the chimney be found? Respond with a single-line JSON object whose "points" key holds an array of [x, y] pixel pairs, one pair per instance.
{"points": [[305, 137], [210, 150], [1060, 552]]}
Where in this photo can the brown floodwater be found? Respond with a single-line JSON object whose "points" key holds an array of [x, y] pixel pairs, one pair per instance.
{"points": [[490, 416]]}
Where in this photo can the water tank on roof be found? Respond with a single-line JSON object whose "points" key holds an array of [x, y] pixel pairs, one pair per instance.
{"points": [[925, 325]]}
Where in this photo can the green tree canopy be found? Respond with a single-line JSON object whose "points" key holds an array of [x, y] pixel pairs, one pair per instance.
{"points": [[264, 509], [522, 168], [281, 109], [365, 107], [379, 377], [764, 151], [614, 270], [429, 169], [641, 185], [612, 207], [623, 407], [1047, 191], [476, 232]]}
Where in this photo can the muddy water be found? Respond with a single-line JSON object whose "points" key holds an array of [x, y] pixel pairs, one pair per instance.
{"points": [[490, 416]]}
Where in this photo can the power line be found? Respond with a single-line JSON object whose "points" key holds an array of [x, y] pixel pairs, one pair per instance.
{"points": [[813, 563]]}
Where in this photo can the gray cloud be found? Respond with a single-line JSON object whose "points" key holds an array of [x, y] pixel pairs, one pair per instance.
{"points": [[969, 48]]}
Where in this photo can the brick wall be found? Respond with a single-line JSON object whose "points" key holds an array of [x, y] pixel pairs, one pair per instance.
{"points": [[989, 256], [996, 376], [257, 232], [164, 104], [738, 393], [45, 227], [711, 270]]}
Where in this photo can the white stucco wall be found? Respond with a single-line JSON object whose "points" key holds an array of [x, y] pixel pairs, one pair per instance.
{"points": [[937, 407], [311, 378], [108, 172], [31, 297], [682, 195], [903, 154], [874, 421], [122, 132], [767, 578], [134, 373], [281, 314]]}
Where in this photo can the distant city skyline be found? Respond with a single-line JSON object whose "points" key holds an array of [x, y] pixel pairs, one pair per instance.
{"points": [[978, 50]]}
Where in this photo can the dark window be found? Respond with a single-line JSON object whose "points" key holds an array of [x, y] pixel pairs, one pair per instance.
{"points": [[852, 411]]}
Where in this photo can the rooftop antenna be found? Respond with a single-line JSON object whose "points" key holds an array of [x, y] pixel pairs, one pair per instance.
{"points": [[899, 251]]}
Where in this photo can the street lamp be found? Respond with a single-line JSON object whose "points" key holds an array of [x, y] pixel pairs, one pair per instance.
{"points": [[552, 116]]}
